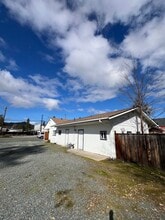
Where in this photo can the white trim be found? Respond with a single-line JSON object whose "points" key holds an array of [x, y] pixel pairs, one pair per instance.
{"points": [[79, 122], [115, 116], [105, 118], [95, 119], [149, 119]]}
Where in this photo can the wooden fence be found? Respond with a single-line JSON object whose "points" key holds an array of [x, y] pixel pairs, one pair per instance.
{"points": [[146, 149]]}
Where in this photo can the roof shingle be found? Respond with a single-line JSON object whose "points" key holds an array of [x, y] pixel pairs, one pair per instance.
{"points": [[93, 117]]}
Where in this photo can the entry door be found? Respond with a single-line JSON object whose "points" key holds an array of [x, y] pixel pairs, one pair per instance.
{"points": [[66, 136], [81, 139], [46, 136]]}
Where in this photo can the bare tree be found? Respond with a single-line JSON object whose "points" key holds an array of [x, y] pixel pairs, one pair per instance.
{"points": [[142, 90]]}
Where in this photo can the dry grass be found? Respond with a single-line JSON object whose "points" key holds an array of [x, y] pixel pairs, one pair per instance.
{"points": [[130, 181], [56, 148]]}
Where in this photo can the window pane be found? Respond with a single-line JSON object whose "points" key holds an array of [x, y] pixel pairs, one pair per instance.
{"points": [[103, 135]]}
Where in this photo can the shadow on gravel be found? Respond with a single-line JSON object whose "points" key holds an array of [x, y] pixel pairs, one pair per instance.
{"points": [[11, 156]]}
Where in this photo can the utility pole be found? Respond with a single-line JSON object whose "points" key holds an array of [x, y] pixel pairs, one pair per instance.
{"points": [[41, 123], [4, 115]]}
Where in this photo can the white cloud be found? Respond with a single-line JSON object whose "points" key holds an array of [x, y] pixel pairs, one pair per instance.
{"points": [[158, 88], [48, 84], [42, 15], [23, 93], [87, 56], [2, 42], [2, 45], [9, 63], [2, 57], [94, 94], [110, 11], [94, 111], [147, 43], [50, 103], [48, 58], [12, 65]]}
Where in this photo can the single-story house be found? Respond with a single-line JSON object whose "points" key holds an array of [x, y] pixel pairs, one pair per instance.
{"points": [[96, 133], [51, 127]]}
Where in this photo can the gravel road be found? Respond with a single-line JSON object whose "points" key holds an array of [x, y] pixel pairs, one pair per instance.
{"points": [[39, 181]]}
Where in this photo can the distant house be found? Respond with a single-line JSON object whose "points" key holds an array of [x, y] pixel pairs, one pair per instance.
{"points": [[161, 125], [38, 127], [3, 129], [96, 133], [17, 127], [15, 130], [39, 130]]}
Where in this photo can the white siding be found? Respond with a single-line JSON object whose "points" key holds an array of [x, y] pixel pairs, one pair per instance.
{"points": [[92, 142], [52, 134], [50, 126]]}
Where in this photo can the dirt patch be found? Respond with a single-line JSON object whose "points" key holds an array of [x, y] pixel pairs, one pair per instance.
{"points": [[64, 198]]}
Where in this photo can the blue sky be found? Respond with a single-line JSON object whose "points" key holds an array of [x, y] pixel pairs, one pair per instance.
{"points": [[67, 58]]}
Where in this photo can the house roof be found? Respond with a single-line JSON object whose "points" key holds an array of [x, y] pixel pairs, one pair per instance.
{"points": [[53, 122], [160, 121], [59, 120], [103, 116]]}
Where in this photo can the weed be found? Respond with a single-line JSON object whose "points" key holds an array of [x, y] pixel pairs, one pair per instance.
{"points": [[102, 173]]}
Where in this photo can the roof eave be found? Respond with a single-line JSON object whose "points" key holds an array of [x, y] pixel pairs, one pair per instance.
{"points": [[152, 122], [96, 119], [120, 114], [80, 122]]}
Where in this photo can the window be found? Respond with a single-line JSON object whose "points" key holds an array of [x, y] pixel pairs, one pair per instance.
{"points": [[54, 132], [103, 135], [59, 132]]}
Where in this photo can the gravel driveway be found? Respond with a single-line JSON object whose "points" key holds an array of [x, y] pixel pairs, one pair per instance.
{"points": [[39, 181]]}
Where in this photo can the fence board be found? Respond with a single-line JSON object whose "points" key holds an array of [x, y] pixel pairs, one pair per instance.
{"points": [[146, 149]]}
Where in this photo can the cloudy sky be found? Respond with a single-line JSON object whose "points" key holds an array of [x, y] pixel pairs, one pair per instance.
{"points": [[67, 58]]}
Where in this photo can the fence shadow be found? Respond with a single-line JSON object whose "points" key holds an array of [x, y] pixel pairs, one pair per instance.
{"points": [[11, 156]]}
